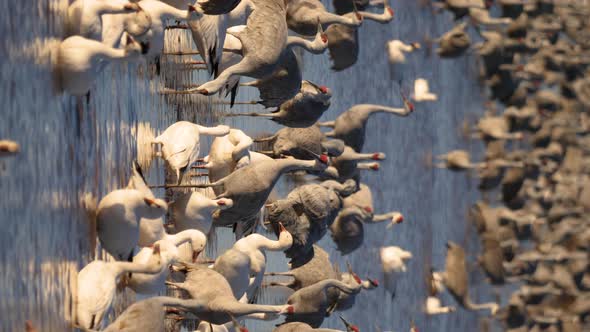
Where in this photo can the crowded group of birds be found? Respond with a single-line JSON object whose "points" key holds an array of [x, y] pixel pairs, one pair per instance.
{"points": [[534, 175], [533, 62]]}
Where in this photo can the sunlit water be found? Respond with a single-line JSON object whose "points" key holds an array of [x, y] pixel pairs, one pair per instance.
{"points": [[73, 147]]}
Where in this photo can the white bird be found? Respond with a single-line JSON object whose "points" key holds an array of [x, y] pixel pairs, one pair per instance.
{"points": [[159, 12], [422, 91], [255, 246], [85, 16], [225, 154], [97, 284], [118, 218], [80, 60], [393, 258], [152, 230], [433, 306], [180, 144], [8, 148], [194, 210], [120, 213], [234, 266], [396, 50], [149, 283], [228, 153], [393, 262], [115, 26]]}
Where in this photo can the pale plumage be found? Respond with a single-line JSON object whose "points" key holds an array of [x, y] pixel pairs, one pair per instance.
{"points": [[97, 283], [255, 246], [153, 283], [8, 148], [422, 91], [159, 12], [116, 26], [152, 230], [80, 61], [234, 266], [432, 306], [393, 263], [195, 211], [85, 16], [181, 144], [226, 153], [118, 218], [396, 50]]}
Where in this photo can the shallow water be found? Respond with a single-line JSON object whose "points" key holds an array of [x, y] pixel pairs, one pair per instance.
{"points": [[71, 147]]}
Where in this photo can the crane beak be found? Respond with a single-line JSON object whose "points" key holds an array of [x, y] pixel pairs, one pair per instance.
{"points": [[234, 321], [373, 282], [356, 12], [346, 323], [320, 28], [195, 255], [288, 310], [282, 228]]}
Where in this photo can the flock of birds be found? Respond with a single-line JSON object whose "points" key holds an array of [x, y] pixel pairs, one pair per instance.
{"points": [[533, 63], [532, 225]]}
